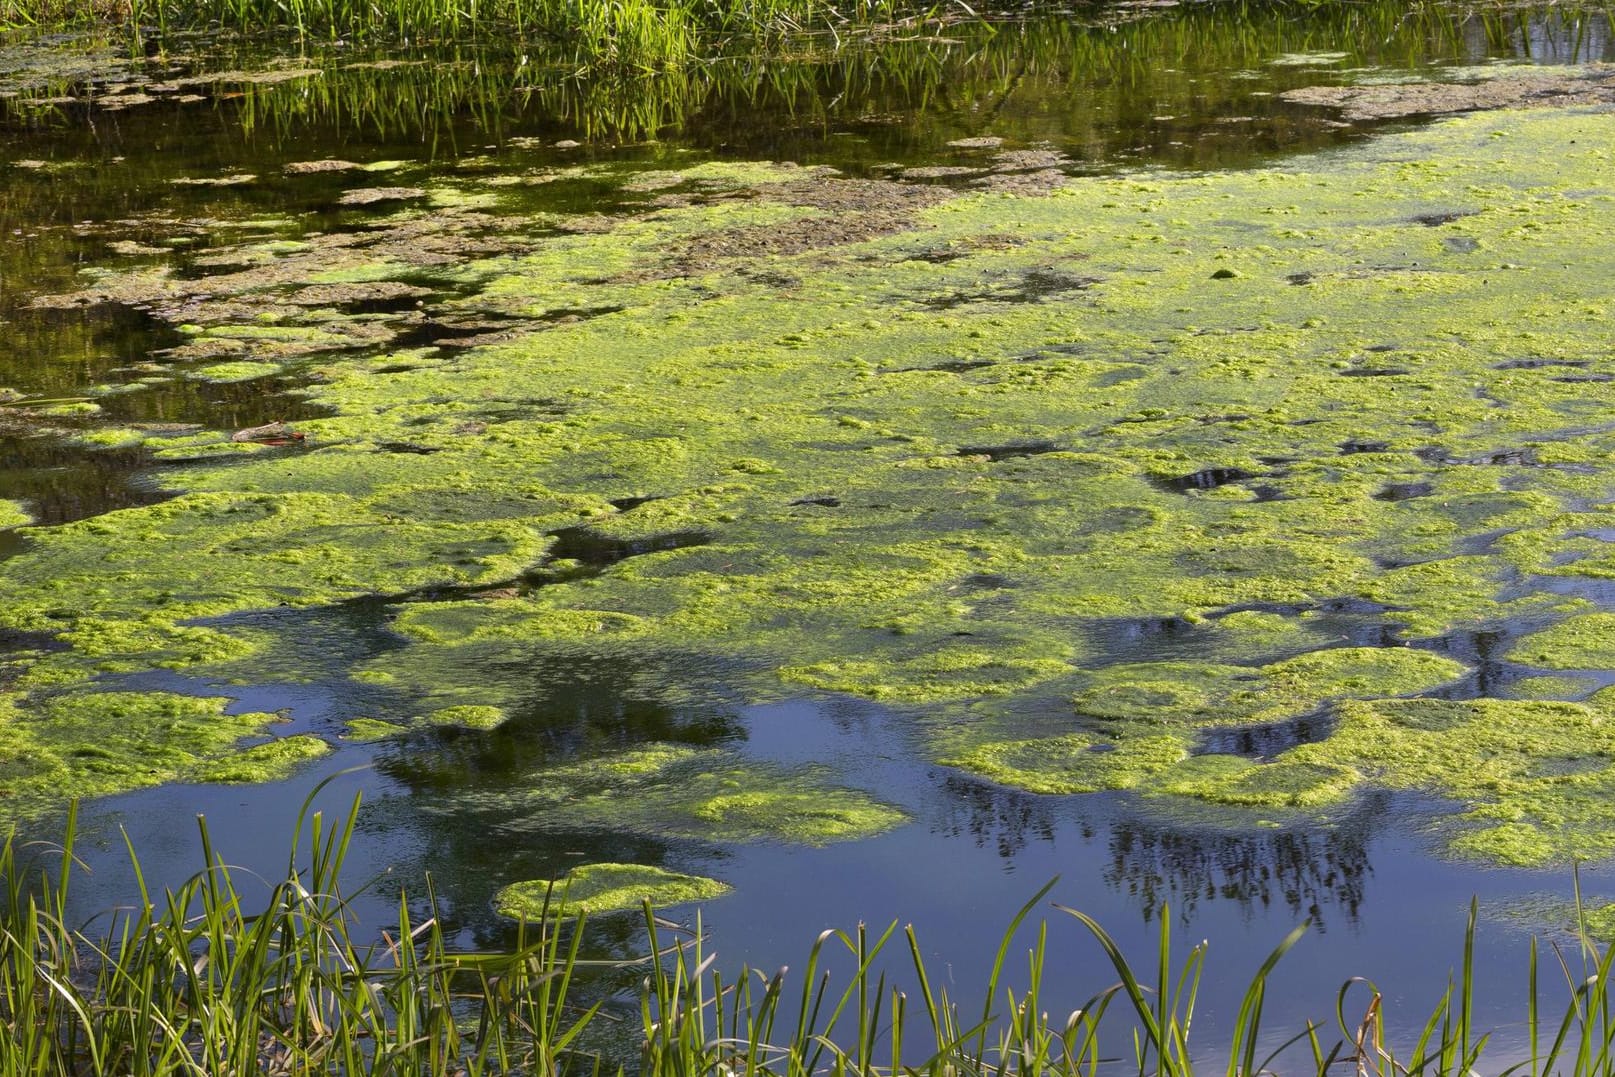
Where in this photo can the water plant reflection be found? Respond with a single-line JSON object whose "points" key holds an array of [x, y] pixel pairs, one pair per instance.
{"points": [[1150, 86]]}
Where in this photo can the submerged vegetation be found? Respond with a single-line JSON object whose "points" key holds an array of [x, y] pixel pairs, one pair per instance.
{"points": [[208, 977]]}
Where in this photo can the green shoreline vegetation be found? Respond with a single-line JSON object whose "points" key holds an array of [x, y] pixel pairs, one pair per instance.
{"points": [[625, 34], [206, 978]]}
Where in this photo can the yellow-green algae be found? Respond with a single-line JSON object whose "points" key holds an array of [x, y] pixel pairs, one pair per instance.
{"points": [[1536, 779], [240, 370], [946, 482], [1552, 687], [267, 762], [14, 514], [467, 717], [1586, 641], [1283, 783], [364, 730], [84, 743], [601, 888], [1075, 763], [1184, 693], [678, 791]]}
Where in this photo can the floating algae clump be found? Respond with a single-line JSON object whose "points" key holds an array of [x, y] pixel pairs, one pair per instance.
{"points": [[467, 717], [241, 370], [1229, 779], [1552, 687], [1536, 779], [91, 743], [1583, 642], [978, 485], [1185, 693], [600, 888], [266, 762], [677, 791], [1073, 764], [365, 730], [13, 514], [946, 672]]}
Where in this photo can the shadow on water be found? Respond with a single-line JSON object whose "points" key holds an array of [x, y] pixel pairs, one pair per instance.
{"points": [[89, 178]]}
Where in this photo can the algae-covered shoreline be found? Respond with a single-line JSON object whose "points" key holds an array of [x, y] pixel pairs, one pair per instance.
{"points": [[937, 447]]}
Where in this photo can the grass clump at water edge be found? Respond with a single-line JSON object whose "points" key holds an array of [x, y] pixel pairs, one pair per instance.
{"points": [[629, 34], [188, 981]]}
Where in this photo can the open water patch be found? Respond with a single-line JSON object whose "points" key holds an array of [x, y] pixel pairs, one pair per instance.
{"points": [[1265, 742], [62, 482], [1209, 478], [596, 550]]}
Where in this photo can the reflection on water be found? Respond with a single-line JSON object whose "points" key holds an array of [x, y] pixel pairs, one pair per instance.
{"points": [[1318, 875], [1306, 875], [61, 483], [1378, 904], [90, 185]]}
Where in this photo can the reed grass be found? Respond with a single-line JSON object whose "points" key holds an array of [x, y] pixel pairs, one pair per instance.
{"points": [[192, 981], [631, 34], [644, 35]]}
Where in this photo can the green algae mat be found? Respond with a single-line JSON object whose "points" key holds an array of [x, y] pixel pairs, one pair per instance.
{"points": [[1249, 493]]}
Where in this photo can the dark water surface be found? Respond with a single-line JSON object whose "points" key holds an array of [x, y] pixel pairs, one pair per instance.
{"points": [[87, 180]]}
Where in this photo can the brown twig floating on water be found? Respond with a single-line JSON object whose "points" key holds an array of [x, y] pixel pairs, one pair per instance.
{"points": [[271, 433]]}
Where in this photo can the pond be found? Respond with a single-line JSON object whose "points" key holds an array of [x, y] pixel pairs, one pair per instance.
{"points": [[1143, 446]]}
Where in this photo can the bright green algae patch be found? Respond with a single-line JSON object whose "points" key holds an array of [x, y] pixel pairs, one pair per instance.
{"points": [[467, 717], [1075, 763], [13, 514], [946, 450], [366, 730], [677, 791], [1584, 642], [1184, 693], [1131, 701], [92, 743], [266, 762], [1537, 779], [601, 888]]}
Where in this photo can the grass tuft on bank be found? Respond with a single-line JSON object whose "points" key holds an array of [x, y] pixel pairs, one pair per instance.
{"points": [[189, 981], [632, 34]]}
